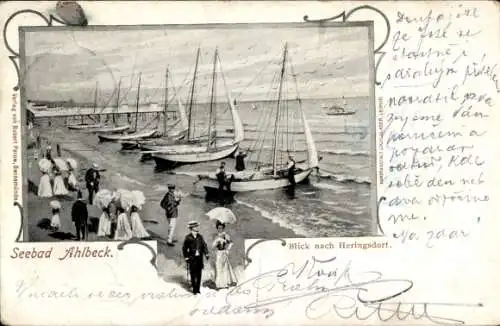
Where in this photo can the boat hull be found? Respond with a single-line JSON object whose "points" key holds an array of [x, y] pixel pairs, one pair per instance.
{"points": [[165, 160], [343, 113], [85, 126], [108, 129], [132, 136], [211, 185]]}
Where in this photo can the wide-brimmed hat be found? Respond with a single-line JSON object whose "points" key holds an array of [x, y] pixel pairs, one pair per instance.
{"points": [[171, 186], [193, 224], [95, 165]]}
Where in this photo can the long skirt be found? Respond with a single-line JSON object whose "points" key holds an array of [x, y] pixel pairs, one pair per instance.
{"points": [[44, 187], [55, 222], [224, 273], [59, 186], [123, 230], [72, 183], [138, 229], [104, 225]]}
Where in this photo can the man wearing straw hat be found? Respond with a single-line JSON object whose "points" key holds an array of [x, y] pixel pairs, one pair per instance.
{"points": [[92, 178], [193, 250], [169, 203]]}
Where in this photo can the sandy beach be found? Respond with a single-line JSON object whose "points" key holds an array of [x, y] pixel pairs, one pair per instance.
{"points": [[170, 260]]}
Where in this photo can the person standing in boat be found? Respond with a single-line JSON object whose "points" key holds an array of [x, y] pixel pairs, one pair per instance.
{"points": [[240, 160], [291, 170], [193, 250], [48, 153], [92, 179], [170, 203], [220, 173]]}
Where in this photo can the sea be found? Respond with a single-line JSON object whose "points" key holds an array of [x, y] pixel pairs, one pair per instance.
{"points": [[337, 201]]}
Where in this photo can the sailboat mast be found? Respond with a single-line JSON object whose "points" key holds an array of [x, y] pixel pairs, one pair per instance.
{"points": [[165, 105], [276, 122], [212, 98], [190, 114], [117, 101], [137, 102], [95, 95]]}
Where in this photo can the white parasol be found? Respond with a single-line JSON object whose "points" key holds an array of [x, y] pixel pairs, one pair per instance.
{"points": [[222, 214], [44, 165], [72, 163], [139, 198], [102, 198], [54, 204], [61, 164], [127, 199]]}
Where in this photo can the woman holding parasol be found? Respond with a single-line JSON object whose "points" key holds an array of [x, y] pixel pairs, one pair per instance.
{"points": [[44, 186], [138, 229], [103, 200], [59, 187], [72, 182], [123, 229], [224, 273]]}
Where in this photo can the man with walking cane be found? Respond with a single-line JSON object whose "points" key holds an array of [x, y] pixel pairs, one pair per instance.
{"points": [[194, 249]]}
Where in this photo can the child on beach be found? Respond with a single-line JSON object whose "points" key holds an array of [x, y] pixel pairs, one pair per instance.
{"points": [[138, 229], [55, 221]]}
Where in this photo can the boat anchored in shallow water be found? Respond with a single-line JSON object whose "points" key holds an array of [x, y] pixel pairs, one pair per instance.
{"points": [[206, 147], [337, 109], [273, 175]]}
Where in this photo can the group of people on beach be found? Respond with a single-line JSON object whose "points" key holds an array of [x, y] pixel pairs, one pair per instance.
{"points": [[57, 179], [195, 249]]}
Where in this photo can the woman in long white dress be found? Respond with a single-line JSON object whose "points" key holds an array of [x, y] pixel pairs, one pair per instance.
{"points": [[104, 229], [44, 187], [123, 229], [59, 186], [138, 229], [224, 273]]}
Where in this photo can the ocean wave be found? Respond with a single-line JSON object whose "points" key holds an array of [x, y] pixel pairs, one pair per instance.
{"points": [[344, 178], [276, 219], [348, 152], [163, 188], [128, 179]]}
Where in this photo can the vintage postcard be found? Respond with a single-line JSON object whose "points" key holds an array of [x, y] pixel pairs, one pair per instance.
{"points": [[241, 163]]}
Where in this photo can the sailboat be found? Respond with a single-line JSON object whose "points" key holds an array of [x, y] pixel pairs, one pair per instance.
{"points": [[273, 174], [135, 140], [84, 126], [136, 134], [205, 147]]}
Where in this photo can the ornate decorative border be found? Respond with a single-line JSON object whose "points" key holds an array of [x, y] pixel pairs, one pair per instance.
{"points": [[75, 16]]}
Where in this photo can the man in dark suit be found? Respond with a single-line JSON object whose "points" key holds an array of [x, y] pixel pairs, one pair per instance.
{"points": [[240, 161], [169, 203], [92, 179], [194, 249], [80, 215]]}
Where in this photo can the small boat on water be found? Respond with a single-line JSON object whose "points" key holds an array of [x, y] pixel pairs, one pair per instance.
{"points": [[205, 147], [273, 174], [337, 109]]}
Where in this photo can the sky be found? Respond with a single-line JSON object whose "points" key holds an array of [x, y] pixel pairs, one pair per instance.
{"points": [[327, 62]]}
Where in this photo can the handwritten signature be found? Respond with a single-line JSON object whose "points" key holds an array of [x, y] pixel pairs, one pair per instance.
{"points": [[364, 296]]}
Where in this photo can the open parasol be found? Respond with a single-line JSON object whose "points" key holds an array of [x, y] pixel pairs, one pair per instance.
{"points": [[102, 198], [72, 163], [222, 214], [44, 165], [54, 204], [127, 199], [61, 164], [139, 198]]}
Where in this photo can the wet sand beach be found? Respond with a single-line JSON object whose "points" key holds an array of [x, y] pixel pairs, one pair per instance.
{"points": [[152, 214]]}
